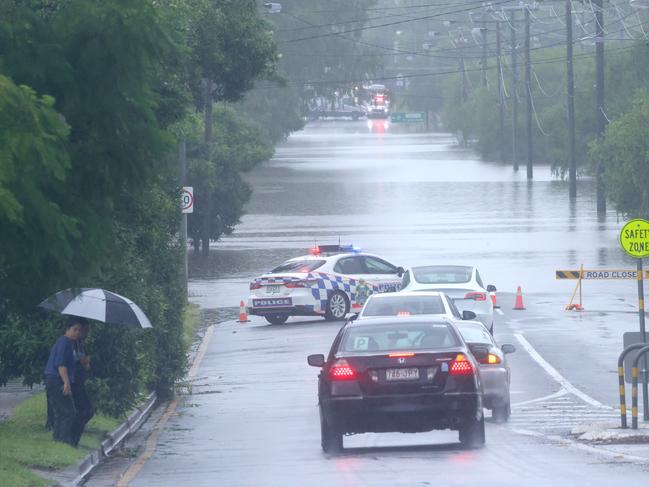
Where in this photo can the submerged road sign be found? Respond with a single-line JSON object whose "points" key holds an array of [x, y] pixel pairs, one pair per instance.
{"points": [[634, 238], [400, 117], [601, 274]]}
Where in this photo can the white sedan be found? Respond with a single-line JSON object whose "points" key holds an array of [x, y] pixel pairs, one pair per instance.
{"points": [[462, 284], [330, 282], [405, 303]]}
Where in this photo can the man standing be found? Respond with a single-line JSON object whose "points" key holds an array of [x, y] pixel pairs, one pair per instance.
{"points": [[59, 373], [81, 400]]}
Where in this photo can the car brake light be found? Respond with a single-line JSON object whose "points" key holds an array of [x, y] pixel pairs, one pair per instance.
{"points": [[255, 285], [315, 250], [403, 313], [296, 284], [476, 296], [460, 366], [401, 354], [341, 370]]}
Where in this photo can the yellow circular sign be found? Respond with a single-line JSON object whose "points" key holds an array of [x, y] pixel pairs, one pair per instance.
{"points": [[634, 238]]}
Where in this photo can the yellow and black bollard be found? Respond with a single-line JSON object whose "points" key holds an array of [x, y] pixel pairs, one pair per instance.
{"points": [[620, 376]]}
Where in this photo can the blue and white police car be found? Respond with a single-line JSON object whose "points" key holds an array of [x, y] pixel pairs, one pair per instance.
{"points": [[331, 281]]}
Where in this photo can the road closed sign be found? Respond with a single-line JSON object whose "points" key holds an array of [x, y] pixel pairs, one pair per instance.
{"points": [[634, 238], [187, 199]]}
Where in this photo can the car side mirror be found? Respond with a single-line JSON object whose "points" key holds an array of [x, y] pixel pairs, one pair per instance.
{"points": [[468, 315], [508, 348], [480, 353], [491, 288], [317, 360], [400, 271], [353, 317]]}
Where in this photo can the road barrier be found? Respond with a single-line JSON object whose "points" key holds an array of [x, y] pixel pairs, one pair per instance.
{"points": [[634, 386], [243, 314], [620, 374], [518, 305]]}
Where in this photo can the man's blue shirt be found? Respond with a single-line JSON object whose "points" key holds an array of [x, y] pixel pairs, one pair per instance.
{"points": [[61, 355]]}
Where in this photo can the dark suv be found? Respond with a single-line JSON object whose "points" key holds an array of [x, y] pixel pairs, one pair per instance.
{"points": [[404, 374]]}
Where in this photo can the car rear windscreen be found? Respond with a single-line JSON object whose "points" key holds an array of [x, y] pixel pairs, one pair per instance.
{"points": [[442, 274], [298, 266], [396, 305], [474, 334], [386, 338]]}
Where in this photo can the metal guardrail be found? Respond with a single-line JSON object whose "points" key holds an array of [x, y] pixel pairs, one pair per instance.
{"points": [[634, 386]]}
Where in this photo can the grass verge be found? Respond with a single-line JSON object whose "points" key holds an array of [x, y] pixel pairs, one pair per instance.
{"points": [[191, 323], [25, 443]]}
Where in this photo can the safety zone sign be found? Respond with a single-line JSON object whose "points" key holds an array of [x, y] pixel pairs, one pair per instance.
{"points": [[187, 199], [596, 274], [634, 238]]}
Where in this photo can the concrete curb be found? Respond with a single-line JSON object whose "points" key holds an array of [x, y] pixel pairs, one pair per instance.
{"points": [[612, 434], [113, 440]]}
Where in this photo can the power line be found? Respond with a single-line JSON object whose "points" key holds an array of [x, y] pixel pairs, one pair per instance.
{"points": [[389, 24]]}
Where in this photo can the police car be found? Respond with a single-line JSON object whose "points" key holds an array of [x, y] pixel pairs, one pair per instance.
{"points": [[331, 281]]}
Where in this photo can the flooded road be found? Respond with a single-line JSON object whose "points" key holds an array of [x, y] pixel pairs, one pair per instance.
{"points": [[414, 199], [250, 416]]}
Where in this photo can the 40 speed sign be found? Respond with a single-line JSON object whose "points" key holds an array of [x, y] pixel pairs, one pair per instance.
{"points": [[187, 199]]}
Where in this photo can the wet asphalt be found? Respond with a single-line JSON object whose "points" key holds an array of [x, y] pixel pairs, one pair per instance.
{"points": [[250, 417]]}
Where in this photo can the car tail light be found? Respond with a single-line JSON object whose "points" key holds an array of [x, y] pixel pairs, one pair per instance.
{"points": [[255, 285], [341, 370], [296, 284], [461, 366], [476, 296], [401, 354], [403, 313]]}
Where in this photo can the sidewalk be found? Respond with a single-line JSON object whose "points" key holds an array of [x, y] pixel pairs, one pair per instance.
{"points": [[13, 394]]}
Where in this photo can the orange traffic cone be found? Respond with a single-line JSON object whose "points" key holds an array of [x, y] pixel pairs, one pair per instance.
{"points": [[243, 316], [519, 299], [492, 294]]}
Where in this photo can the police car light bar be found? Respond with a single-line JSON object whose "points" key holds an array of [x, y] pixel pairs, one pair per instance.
{"points": [[334, 249]]}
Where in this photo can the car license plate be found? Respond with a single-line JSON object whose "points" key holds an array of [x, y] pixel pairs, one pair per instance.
{"points": [[402, 374], [273, 289]]}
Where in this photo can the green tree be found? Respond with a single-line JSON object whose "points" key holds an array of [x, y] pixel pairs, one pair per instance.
{"points": [[625, 152], [220, 192]]}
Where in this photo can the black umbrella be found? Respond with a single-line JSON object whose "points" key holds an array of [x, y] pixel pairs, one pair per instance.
{"points": [[99, 305]]}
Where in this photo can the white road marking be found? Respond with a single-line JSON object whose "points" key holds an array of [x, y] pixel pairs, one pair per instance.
{"points": [[554, 373], [561, 392]]}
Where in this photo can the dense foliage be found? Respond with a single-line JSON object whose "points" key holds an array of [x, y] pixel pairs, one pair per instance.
{"points": [[94, 97], [622, 151]]}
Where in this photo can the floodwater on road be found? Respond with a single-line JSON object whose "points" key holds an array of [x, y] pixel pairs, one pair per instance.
{"points": [[250, 416], [413, 199]]}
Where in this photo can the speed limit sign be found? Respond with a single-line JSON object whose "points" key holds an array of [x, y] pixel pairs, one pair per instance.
{"points": [[187, 199]]}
